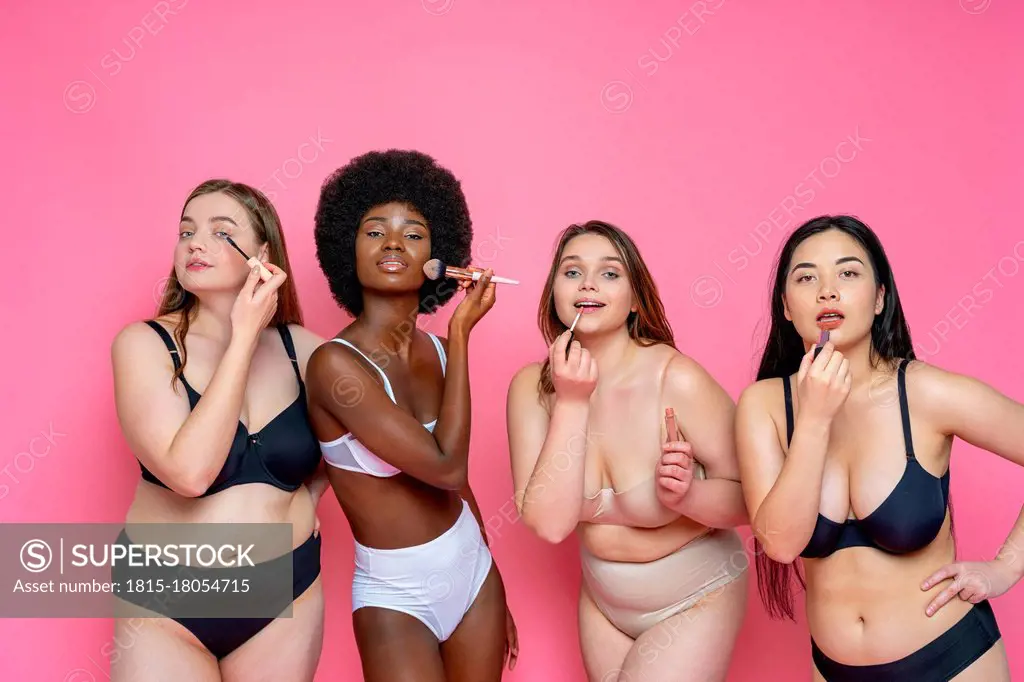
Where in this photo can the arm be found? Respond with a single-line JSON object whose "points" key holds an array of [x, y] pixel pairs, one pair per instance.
{"points": [[306, 342], [978, 414], [705, 416], [467, 494], [548, 456], [318, 483], [184, 449], [782, 492], [341, 385]]}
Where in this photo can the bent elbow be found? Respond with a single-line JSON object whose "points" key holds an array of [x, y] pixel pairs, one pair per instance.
{"points": [[456, 478], [779, 552], [192, 483], [547, 531], [190, 488], [781, 556]]}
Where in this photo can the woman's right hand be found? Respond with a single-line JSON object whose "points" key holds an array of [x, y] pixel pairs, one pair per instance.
{"points": [[479, 299], [576, 377], [256, 303], [823, 384]]}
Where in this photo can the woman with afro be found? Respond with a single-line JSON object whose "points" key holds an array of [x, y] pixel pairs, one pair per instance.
{"points": [[390, 405]]}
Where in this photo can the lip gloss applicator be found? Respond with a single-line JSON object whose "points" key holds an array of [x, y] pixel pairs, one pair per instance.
{"points": [[571, 332]]}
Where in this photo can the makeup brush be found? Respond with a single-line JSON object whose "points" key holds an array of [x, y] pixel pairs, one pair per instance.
{"points": [[571, 332], [821, 343], [253, 261], [436, 269]]}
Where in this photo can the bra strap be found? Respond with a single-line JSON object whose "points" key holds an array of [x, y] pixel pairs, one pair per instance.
{"points": [[787, 389], [440, 352], [168, 341], [387, 383], [289, 346], [908, 439]]}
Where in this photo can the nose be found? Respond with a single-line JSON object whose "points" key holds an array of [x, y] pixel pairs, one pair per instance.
{"points": [[393, 241], [828, 292], [196, 243], [588, 283]]}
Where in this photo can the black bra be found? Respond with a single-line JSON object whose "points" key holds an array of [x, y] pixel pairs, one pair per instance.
{"points": [[909, 518], [284, 453]]}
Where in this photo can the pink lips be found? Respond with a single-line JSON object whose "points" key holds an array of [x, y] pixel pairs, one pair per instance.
{"points": [[391, 264]]}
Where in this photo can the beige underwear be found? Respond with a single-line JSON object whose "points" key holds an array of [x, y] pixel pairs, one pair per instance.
{"points": [[638, 596]]}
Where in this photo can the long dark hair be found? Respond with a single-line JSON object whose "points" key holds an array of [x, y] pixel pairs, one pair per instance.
{"points": [[784, 349], [647, 326], [267, 225]]}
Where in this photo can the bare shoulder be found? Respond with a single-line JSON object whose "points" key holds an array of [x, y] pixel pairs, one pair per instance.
{"points": [[931, 387], [526, 380], [761, 396], [683, 373], [305, 340], [136, 340], [524, 388], [686, 379]]}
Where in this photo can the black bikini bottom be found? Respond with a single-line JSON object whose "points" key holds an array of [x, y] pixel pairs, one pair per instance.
{"points": [[219, 635], [938, 661]]}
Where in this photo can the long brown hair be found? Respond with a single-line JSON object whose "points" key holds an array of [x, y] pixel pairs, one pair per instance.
{"points": [[267, 226], [648, 325]]}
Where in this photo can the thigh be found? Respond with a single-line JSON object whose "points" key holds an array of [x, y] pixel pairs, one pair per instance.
{"points": [[992, 666], [287, 649], [693, 646], [396, 647], [604, 646], [158, 649], [475, 652]]}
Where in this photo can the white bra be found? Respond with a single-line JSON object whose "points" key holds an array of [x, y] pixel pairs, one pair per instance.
{"points": [[347, 452]]}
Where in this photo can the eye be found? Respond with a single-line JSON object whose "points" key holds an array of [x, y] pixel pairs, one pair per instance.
{"points": [[222, 234], [571, 273], [184, 233], [413, 235], [851, 273], [803, 278], [374, 233], [611, 274]]}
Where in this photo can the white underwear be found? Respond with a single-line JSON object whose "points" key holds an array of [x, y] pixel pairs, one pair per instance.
{"points": [[435, 582]]}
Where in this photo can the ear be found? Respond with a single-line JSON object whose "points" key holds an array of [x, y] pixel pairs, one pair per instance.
{"points": [[785, 308], [880, 300], [264, 253]]}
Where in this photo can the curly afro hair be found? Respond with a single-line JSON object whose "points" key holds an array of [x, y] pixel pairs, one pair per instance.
{"points": [[381, 177]]}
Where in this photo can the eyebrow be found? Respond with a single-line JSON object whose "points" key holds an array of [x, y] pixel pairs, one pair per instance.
{"points": [[610, 259], [407, 221], [214, 219], [839, 261]]}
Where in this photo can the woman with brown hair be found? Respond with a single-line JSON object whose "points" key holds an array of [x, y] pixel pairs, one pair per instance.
{"points": [[233, 447], [664, 573]]}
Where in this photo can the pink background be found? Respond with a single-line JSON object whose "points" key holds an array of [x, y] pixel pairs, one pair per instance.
{"points": [[707, 131]]}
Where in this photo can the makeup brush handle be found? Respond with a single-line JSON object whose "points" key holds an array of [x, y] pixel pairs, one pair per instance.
{"points": [[494, 278], [264, 273]]}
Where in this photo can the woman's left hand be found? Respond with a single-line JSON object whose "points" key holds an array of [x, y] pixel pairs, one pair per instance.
{"points": [[972, 581], [511, 640], [674, 473]]}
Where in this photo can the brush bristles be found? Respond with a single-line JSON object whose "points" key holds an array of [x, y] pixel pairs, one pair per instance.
{"points": [[434, 268]]}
